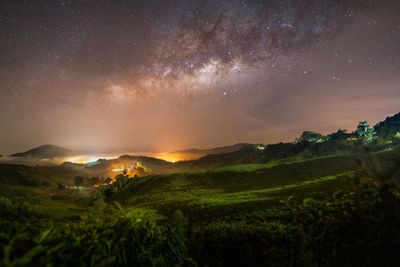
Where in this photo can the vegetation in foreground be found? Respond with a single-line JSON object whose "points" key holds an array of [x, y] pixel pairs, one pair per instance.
{"points": [[234, 216]]}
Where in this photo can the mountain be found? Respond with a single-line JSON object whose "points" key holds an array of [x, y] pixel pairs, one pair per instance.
{"points": [[195, 153], [45, 152], [388, 128], [246, 153], [154, 164], [104, 167]]}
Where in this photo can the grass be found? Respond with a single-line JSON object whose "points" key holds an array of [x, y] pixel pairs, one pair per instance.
{"points": [[246, 189]]}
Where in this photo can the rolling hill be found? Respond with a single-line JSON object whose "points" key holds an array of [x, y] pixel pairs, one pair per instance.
{"points": [[102, 167], [195, 153], [45, 152], [226, 192], [241, 153]]}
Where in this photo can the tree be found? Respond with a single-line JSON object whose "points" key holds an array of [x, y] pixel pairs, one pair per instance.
{"points": [[121, 180], [365, 133], [310, 136], [339, 135], [396, 138], [388, 128], [78, 181]]}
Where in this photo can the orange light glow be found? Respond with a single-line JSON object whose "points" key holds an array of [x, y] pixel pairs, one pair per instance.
{"points": [[176, 156]]}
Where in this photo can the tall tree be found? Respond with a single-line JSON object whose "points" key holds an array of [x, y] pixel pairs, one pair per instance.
{"points": [[365, 133]]}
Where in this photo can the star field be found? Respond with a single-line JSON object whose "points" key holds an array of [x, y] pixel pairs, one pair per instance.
{"points": [[167, 75]]}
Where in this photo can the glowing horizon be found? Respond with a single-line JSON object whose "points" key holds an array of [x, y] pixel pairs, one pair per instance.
{"points": [[158, 76]]}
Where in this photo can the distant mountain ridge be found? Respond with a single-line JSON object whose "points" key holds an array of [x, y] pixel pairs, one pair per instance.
{"points": [[50, 151], [306, 147], [245, 153], [389, 129], [45, 152], [195, 153], [216, 150]]}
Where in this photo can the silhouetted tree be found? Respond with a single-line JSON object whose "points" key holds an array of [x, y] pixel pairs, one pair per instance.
{"points": [[341, 134], [309, 136]]}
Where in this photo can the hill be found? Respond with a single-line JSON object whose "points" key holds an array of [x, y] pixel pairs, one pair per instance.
{"points": [[240, 153], [195, 153], [103, 167], [45, 152], [22, 175], [389, 128], [243, 153], [231, 192]]}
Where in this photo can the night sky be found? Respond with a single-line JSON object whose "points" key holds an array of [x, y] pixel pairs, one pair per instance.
{"points": [[167, 75]]}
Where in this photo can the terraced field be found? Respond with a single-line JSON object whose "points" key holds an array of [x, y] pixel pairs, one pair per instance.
{"points": [[223, 194], [248, 190]]}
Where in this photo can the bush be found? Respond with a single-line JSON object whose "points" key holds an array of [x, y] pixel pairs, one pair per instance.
{"points": [[119, 238], [359, 227], [241, 244]]}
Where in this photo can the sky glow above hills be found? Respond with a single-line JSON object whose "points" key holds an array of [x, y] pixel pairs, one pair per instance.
{"points": [[168, 75]]}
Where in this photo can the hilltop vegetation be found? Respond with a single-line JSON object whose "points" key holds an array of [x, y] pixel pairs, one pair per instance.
{"points": [[389, 129]]}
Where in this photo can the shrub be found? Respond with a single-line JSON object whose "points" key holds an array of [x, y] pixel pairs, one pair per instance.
{"points": [[358, 227], [118, 238]]}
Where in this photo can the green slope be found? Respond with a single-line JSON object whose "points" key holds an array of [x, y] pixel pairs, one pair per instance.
{"points": [[232, 191]]}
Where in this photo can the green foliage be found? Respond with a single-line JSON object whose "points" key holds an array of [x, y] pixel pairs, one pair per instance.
{"points": [[339, 135], [116, 237], [388, 128], [121, 180], [19, 224], [242, 244], [310, 136], [356, 227], [228, 217], [11, 210], [365, 133], [333, 145]]}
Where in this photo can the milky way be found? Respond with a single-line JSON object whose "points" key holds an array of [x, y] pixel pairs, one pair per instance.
{"points": [[167, 75]]}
